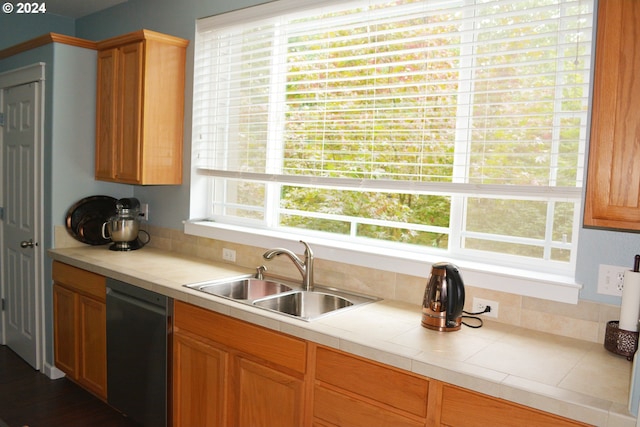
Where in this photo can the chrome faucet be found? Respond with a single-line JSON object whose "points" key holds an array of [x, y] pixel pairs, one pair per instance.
{"points": [[305, 268]]}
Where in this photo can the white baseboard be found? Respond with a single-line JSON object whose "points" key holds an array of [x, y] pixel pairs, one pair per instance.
{"points": [[52, 372]]}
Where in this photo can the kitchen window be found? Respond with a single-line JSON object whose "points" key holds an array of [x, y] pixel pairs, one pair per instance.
{"points": [[415, 129]]}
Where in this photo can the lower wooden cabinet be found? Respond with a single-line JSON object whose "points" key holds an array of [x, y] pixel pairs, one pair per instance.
{"points": [[80, 326], [231, 373], [227, 372]]}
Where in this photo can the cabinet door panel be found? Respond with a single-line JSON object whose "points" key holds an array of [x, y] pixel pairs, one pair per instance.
{"points": [[92, 369], [613, 184], [64, 331], [106, 114], [128, 159], [266, 397], [199, 383]]}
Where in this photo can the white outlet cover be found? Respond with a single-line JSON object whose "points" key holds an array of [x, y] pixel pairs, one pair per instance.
{"points": [[611, 279], [228, 255], [479, 304]]}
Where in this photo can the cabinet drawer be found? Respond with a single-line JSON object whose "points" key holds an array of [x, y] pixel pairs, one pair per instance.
{"points": [[81, 281], [340, 410], [464, 408], [374, 381], [268, 345]]}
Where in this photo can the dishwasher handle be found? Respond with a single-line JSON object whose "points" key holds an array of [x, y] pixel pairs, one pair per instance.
{"points": [[137, 296]]}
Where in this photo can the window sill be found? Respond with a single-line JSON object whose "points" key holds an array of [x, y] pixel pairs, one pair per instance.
{"points": [[521, 282]]}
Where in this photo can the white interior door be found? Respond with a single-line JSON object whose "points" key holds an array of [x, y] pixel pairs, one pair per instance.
{"points": [[21, 255]]}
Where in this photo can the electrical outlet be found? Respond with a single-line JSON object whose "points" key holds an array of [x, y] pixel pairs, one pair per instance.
{"points": [[228, 255], [611, 279], [144, 211], [480, 304]]}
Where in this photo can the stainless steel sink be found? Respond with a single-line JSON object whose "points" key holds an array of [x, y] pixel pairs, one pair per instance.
{"points": [[242, 288], [304, 304], [284, 298]]}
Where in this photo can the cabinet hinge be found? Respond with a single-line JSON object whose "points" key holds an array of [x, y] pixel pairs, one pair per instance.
{"points": [[1, 119], [1, 213], [2, 309]]}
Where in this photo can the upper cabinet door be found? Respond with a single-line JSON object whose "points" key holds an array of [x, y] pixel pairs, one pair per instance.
{"points": [[140, 111], [106, 114], [129, 145], [613, 182]]}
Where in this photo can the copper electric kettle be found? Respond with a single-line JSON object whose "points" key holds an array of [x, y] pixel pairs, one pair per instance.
{"points": [[443, 298]]}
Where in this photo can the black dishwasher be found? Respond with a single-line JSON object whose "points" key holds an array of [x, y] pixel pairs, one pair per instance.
{"points": [[138, 346]]}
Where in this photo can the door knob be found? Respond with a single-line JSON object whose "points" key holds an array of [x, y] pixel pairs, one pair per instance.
{"points": [[29, 244]]}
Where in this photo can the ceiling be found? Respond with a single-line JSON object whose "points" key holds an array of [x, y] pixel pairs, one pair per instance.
{"points": [[79, 8]]}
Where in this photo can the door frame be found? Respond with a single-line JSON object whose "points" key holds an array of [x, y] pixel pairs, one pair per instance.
{"points": [[19, 76]]}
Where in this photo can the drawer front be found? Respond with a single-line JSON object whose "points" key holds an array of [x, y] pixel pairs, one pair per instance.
{"points": [[268, 345], [80, 280], [374, 381], [464, 408], [341, 410]]}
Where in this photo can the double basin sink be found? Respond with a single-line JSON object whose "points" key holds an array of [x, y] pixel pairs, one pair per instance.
{"points": [[284, 298]]}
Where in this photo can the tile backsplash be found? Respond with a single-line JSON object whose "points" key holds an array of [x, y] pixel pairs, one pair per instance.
{"points": [[586, 320]]}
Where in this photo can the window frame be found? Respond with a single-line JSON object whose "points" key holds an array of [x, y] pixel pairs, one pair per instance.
{"points": [[555, 285]]}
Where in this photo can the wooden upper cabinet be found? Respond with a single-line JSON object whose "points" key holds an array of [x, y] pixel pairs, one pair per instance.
{"points": [[140, 109], [613, 183]]}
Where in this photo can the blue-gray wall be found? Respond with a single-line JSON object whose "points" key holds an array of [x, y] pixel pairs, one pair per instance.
{"points": [[69, 135], [169, 205], [16, 28]]}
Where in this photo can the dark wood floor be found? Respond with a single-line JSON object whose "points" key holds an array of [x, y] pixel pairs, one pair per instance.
{"points": [[29, 398]]}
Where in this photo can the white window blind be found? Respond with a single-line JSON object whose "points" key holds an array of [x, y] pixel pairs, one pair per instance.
{"points": [[304, 111]]}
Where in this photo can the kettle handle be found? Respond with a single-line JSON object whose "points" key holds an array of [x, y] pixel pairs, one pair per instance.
{"points": [[455, 293], [104, 234]]}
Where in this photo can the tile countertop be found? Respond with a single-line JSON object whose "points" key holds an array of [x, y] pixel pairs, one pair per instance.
{"points": [[569, 377]]}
